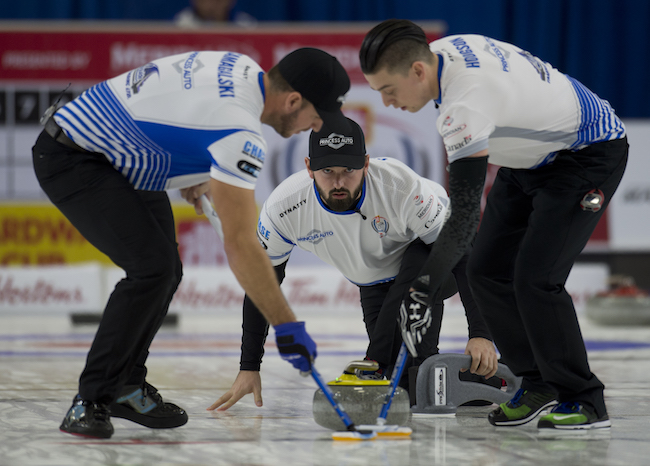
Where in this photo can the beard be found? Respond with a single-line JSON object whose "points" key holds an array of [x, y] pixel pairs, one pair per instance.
{"points": [[343, 204], [285, 125]]}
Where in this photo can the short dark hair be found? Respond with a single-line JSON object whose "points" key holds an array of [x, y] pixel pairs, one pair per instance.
{"points": [[394, 44], [277, 81]]}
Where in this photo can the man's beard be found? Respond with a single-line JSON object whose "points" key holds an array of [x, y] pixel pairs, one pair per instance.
{"points": [[284, 125], [340, 205]]}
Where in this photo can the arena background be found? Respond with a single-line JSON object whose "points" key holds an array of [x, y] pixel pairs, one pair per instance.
{"points": [[46, 45]]}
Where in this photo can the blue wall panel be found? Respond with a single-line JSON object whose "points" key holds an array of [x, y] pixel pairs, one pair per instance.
{"points": [[603, 43]]}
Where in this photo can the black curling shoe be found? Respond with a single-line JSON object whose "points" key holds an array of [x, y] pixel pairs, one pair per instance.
{"points": [[87, 419], [144, 405]]}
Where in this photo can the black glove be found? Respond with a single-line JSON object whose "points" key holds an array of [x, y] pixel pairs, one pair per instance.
{"points": [[414, 319]]}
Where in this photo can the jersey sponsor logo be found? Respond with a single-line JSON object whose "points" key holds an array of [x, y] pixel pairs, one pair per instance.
{"points": [[419, 199], [249, 168], [426, 208], [380, 225], [452, 147], [225, 76], [136, 78], [501, 54], [539, 65], [451, 132], [253, 151], [262, 232], [315, 236], [336, 141], [450, 57], [429, 222], [448, 121], [188, 68], [293, 207], [471, 60]]}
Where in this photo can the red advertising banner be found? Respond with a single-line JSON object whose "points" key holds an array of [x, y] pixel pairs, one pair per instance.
{"points": [[97, 54]]}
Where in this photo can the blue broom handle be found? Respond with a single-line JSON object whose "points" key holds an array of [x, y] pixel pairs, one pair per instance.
{"points": [[330, 397], [394, 380]]}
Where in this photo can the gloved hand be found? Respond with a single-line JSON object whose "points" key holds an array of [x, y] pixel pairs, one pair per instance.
{"points": [[414, 319], [295, 345]]}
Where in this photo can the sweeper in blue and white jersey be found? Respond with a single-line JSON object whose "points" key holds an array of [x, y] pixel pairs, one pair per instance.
{"points": [[191, 121], [562, 152]]}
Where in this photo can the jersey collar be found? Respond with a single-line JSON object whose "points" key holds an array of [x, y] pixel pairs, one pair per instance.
{"points": [[440, 63], [260, 80]]}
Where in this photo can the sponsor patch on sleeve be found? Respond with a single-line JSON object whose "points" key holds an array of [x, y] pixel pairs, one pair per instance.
{"points": [[254, 151], [249, 168]]}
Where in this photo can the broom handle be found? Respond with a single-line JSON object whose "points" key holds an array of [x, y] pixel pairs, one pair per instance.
{"points": [[394, 380]]}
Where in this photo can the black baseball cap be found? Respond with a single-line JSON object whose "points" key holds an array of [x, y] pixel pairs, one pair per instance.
{"points": [[320, 78], [337, 146]]}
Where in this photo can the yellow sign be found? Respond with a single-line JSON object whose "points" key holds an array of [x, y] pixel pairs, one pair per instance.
{"points": [[37, 234]]}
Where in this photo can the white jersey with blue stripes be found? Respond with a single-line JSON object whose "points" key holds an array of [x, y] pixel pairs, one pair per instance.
{"points": [[496, 96], [367, 244], [177, 121]]}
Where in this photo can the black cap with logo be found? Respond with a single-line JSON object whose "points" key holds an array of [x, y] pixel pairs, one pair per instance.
{"points": [[320, 78], [338, 146]]}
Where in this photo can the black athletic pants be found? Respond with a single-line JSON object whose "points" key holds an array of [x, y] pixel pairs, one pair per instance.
{"points": [[380, 304], [532, 231], [136, 230]]}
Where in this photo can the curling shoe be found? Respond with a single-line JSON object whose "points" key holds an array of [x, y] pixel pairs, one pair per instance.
{"points": [[573, 416], [87, 419], [523, 408], [144, 405]]}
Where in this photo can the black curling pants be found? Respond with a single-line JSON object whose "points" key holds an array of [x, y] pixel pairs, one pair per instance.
{"points": [[136, 230], [531, 233], [381, 302]]}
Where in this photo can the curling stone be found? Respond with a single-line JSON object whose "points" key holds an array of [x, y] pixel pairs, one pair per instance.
{"points": [[624, 305], [439, 389], [361, 399]]}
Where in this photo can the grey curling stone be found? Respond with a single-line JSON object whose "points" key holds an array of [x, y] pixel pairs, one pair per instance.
{"points": [[362, 400], [619, 310], [439, 390]]}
